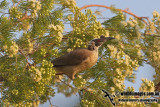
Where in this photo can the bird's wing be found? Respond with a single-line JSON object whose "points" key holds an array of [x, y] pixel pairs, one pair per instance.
{"points": [[73, 58]]}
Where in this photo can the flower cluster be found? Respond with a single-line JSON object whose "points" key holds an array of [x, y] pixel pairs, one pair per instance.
{"points": [[47, 71], [112, 90], [12, 50], [147, 86], [36, 5], [124, 23], [35, 74], [118, 36], [87, 103], [113, 50], [132, 22], [156, 57], [124, 66], [152, 28], [71, 4], [156, 52], [15, 92], [14, 13], [123, 58], [79, 82], [76, 42], [59, 28], [35, 103], [30, 46], [155, 14], [118, 80], [85, 27], [43, 52], [106, 33], [56, 30]]}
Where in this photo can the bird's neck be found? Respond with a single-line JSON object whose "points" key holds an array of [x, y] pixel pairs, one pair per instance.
{"points": [[93, 48]]}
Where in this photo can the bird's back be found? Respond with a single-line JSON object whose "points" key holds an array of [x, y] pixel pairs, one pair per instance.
{"points": [[75, 61]]}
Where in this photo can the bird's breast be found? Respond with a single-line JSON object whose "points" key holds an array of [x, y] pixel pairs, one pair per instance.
{"points": [[89, 62]]}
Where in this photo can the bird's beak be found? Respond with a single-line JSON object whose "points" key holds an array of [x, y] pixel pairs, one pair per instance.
{"points": [[109, 38], [101, 40], [104, 39]]}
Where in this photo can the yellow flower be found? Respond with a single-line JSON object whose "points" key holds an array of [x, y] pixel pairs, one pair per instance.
{"points": [[155, 14], [124, 23], [131, 23], [117, 37], [69, 50], [112, 89], [134, 21], [154, 53], [15, 91], [118, 71], [139, 52], [118, 56], [158, 53], [130, 18], [59, 28], [137, 46], [5, 47], [107, 33], [111, 47]]}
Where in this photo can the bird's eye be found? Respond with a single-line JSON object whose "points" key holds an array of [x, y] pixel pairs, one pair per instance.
{"points": [[99, 40]]}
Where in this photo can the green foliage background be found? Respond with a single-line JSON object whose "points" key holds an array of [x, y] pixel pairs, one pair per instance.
{"points": [[32, 33]]}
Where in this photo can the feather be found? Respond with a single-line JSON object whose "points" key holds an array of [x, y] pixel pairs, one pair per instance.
{"points": [[73, 58]]}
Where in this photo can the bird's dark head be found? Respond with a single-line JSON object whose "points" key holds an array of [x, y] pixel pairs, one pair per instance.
{"points": [[101, 40]]}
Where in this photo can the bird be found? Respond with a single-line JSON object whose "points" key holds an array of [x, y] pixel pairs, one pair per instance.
{"points": [[79, 60]]}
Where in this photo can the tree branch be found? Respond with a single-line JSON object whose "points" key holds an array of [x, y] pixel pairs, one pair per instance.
{"points": [[145, 34], [18, 3], [125, 11], [3, 12], [20, 50], [24, 17]]}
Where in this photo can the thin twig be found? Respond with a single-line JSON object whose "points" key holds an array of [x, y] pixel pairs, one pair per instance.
{"points": [[4, 12], [156, 97], [24, 17], [146, 34], [50, 102], [51, 105], [65, 83], [151, 35], [18, 3], [20, 50], [125, 11], [13, 3]]}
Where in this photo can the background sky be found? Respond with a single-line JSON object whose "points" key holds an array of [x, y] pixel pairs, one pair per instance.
{"points": [[138, 7]]}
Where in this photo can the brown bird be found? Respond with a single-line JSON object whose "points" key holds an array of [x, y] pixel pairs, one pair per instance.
{"points": [[79, 59]]}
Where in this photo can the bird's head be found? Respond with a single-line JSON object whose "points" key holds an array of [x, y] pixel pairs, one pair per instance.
{"points": [[99, 41], [91, 45]]}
